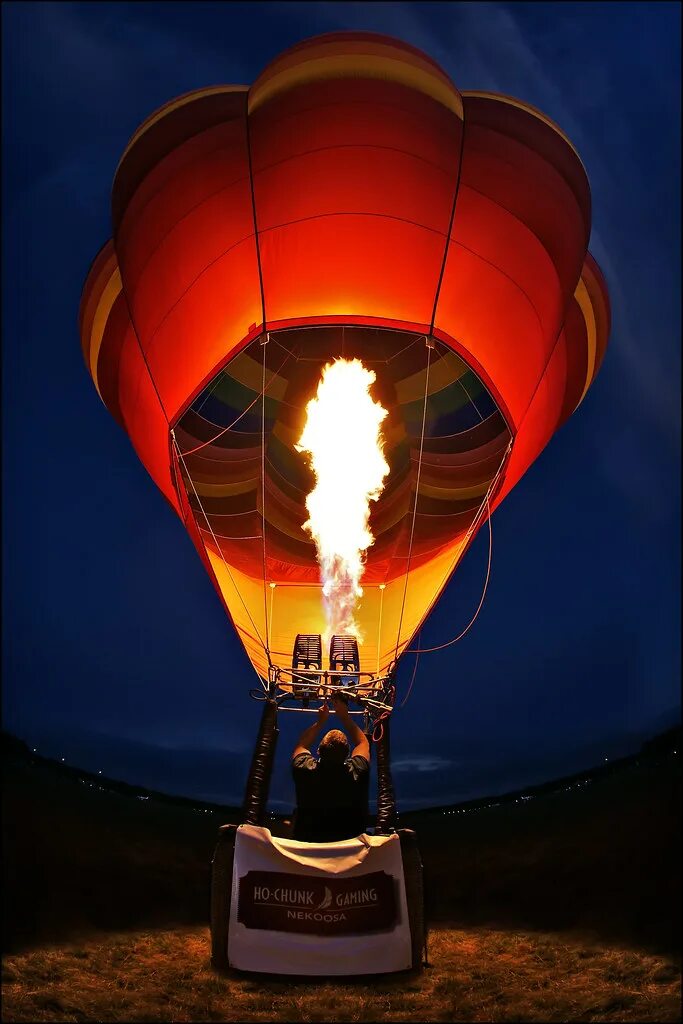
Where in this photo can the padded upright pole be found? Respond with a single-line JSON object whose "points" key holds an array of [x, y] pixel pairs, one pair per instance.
{"points": [[258, 782], [386, 800]]}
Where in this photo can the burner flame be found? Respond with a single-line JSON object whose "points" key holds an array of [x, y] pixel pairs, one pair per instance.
{"points": [[343, 438]]}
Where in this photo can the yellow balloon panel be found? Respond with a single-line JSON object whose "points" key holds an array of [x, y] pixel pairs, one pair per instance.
{"points": [[272, 616]]}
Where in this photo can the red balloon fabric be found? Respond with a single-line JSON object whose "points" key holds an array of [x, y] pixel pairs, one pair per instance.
{"points": [[350, 202]]}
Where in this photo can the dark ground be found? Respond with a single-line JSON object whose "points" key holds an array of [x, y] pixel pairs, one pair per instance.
{"points": [[603, 858]]}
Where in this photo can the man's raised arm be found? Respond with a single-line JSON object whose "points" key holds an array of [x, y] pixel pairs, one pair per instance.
{"points": [[356, 734], [307, 738]]}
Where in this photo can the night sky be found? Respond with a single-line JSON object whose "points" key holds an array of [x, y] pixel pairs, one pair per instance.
{"points": [[117, 654]]}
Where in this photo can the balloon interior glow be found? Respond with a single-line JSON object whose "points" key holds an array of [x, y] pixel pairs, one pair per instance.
{"points": [[206, 317], [343, 430]]}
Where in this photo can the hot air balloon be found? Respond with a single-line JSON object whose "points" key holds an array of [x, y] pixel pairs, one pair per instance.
{"points": [[351, 203]]}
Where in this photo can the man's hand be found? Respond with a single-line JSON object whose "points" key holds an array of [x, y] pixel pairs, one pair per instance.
{"points": [[323, 713], [340, 703], [307, 738], [358, 738]]}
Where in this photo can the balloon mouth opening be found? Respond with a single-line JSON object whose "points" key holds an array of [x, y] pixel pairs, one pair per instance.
{"points": [[246, 485]]}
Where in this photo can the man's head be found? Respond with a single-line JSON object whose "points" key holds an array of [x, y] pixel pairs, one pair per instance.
{"points": [[334, 747]]}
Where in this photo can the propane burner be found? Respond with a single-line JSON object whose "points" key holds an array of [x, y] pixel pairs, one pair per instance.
{"points": [[305, 685], [344, 654]]}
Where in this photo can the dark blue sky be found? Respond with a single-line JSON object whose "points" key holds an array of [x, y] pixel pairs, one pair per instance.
{"points": [[116, 652]]}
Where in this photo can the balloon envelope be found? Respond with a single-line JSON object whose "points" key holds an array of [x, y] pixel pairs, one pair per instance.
{"points": [[350, 202]]}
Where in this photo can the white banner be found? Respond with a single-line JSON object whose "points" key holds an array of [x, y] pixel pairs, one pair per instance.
{"points": [[318, 909]]}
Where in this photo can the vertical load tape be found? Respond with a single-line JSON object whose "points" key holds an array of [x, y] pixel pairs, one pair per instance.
{"points": [[386, 800], [258, 782]]}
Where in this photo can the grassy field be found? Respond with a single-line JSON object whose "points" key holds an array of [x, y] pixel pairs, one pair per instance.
{"points": [[477, 974], [566, 907]]}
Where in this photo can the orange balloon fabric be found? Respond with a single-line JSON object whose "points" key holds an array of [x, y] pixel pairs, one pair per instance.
{"points": [[350, 202]]}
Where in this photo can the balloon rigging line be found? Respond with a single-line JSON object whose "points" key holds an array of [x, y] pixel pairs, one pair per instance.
{"points": [[265, 338], [404, 349], [496, 412], [142, 352], [418, 651], [223, 536], [315, 359], [290, 354], [220, 551], [456, 193], [417, 492], [256, 231], [283, 347], [281, 401], [431, 332], [471, 400], [209, 392], [428, 650], [412, 678], [224, 430], [379, 627], [261, 536], [264, 344], [542, 377]]}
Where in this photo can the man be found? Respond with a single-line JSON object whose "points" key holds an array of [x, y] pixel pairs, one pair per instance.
{"points": [[331, 792]]}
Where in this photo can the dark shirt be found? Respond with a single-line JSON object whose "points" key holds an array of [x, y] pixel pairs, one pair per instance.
{"points": [[331, 799]]}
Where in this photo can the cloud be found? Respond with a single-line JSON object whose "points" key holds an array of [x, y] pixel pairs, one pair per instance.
{"points": [[110, 47], [487, 46], [82, 77], [421, 764]]}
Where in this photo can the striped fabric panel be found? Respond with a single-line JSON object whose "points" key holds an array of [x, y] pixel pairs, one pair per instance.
{"points": [[465, 438], [354, 55]]}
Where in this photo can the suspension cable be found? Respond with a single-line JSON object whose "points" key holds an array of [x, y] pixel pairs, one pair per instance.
{"points": [[417, 491], [244, 412], [264, 345], [471, 400], [379, 625], [428, 650], [209, 391], [412, 678], [384, 716], [220, 550], [487, 502]]}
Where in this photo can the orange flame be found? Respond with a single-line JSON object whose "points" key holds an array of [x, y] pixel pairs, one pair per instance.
{"points": [[343, 438]]}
